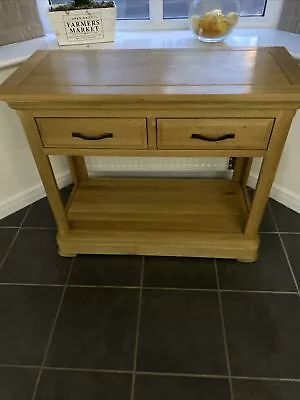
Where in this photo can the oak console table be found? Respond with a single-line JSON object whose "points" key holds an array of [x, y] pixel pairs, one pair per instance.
{"points": [[220, 103]]}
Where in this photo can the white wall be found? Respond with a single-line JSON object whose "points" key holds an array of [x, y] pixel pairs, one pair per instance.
{"points": [[20, 183], [286, 187]]}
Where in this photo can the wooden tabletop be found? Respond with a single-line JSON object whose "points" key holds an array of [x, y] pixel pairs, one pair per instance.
{"points": [[156, 75]]}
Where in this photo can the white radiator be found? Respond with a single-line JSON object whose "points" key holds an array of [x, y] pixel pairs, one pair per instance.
{"points": [[157, 165]]}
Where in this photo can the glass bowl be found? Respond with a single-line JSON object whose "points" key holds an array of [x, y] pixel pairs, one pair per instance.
{"points": [[213, 20]]}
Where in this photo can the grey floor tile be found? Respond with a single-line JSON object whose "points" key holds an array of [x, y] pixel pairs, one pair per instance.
{"points": [[265, 390], [150, 387], [6, 237], [40, 214], [292, 245], [34, 259], [181, 332], [270, 272], [267, 224], [15, 219], [107, 270], [71, 385], [287, 219], [17, 383], [96, 329], [26, 317], [263, 333], [180, 272]]}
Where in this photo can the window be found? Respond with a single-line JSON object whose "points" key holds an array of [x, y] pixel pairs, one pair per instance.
{"points": [[172, 14], [179, 8], [127, 9]]}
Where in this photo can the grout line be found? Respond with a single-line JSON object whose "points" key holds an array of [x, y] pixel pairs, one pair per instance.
{"points": [[152, 373], [19, 366], [137, 335], [224, 332], [106, 371], [30, 284], [25, 216], [257, 291], [103, 287], [150, 288], [258, 378], [289, 233], [285, 251], [14, 238], [282, 233], [181, 375], [179, 289], [38, 228], [52, 331], [290, 265]]}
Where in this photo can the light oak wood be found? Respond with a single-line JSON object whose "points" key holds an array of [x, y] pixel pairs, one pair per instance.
{"points": [[91, 133], [159, 243], [177, 76], [182, 133], [208, 206], [246, 171], [78, 169], [151, 102], [242, 170], [241, 174], [238, 169], [46, 173], [289, 66], [148, 110], [152, 133], [268, 171], [187, 103], [153, 153]]}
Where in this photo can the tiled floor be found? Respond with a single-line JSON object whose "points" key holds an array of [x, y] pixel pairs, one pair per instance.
{"points": [[147, 328]]}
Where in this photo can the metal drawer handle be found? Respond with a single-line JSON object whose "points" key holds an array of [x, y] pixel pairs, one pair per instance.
{"points": [[209, 139], [98, 137]]}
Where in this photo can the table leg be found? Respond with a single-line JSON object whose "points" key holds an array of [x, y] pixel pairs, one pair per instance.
{"points": [[241, 174], [238, 169], [46, 172], [242, 170], [268, 171], [78, 169]]}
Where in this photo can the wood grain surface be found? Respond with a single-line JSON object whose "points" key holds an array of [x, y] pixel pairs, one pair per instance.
{"points": [[146, 74]]}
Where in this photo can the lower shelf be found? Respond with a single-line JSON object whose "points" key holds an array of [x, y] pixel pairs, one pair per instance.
{"points": [[183, 217], [160, 204]]}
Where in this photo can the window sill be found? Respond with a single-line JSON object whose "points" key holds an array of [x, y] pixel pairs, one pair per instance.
{"points": [[17, 53]]}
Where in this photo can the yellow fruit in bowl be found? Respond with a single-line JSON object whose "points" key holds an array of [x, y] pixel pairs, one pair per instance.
{"points": [[210, 24], [214, 24], [223, 27]]}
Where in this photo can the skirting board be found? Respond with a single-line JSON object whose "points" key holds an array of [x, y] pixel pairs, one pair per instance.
{"points": [[25, 198], [29, 196]]}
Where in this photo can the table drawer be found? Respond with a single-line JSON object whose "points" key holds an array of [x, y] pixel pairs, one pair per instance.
{"points": [[185, 134], [102, 133]]}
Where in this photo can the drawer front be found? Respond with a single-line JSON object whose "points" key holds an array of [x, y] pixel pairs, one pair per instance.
{"points": [[188, 134], [102, 133]]}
